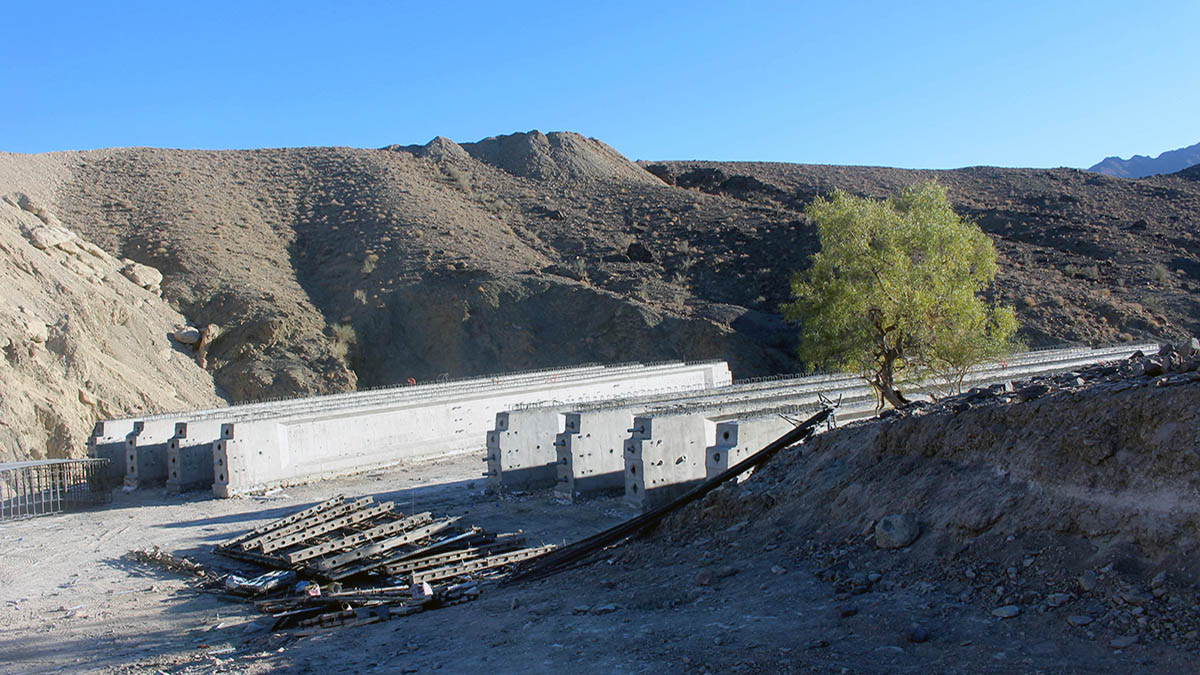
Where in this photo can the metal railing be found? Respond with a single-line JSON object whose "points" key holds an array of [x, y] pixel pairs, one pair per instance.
{"points": [[37, 488]]}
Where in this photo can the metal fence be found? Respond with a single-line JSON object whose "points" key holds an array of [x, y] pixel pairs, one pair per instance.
{"points": [[41, 487]]}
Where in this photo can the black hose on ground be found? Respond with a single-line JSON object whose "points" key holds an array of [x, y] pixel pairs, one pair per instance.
{"points": [[560, 558]]}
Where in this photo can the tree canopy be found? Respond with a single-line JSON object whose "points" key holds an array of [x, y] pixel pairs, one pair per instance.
{"points": [[893, 292]]}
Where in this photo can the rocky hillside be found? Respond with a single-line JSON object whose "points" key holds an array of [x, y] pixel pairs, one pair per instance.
{"points": [[83, 336], [1083, 257], [1140, 166], [331, 268]]}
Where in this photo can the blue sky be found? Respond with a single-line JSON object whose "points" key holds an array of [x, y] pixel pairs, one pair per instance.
{"points": [[909, 84]]}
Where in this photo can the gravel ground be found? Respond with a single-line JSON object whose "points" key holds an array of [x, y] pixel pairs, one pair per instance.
{"points": [[729, 600]]}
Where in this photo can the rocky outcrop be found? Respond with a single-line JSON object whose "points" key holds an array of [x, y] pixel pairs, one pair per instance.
{"points": [[143, 275], [440, 149], [79, 340], [456, 324]]}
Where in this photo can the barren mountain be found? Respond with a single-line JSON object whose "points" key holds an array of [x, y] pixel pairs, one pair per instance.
{"points": [[331, 268], [1140, 166]]}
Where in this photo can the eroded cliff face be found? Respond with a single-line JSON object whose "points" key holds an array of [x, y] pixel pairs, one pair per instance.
{"points": [[454, 324], [83, 336]]}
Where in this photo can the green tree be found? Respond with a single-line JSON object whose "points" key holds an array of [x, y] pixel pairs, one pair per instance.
{"points": [[893, 292]]}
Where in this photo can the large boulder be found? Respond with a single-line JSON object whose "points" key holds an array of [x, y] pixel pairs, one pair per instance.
{"points": [[49, 236], [188, 335], [143, 275], [896, 531]]}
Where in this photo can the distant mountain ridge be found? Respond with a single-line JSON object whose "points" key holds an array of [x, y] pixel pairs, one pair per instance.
{"points": [[1140, 166]]}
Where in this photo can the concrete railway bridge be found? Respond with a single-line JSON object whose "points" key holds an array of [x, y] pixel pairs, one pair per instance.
{"points": [[647, 431]]}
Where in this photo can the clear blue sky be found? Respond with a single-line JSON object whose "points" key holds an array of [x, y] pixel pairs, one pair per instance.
{"points": [[910, 84]]}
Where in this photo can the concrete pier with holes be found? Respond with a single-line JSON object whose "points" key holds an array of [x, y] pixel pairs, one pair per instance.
{"points": [[555, 427], [265, 452]]}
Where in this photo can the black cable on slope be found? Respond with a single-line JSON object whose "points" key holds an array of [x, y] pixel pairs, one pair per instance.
{"points": [[556, 560]]}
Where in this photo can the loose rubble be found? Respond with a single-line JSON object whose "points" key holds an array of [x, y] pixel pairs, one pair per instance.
{"points": [[1172, 365], [896, 531]]}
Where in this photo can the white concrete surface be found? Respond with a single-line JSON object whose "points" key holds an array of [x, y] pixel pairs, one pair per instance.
{"points": [[143, 457], [262, 453], [591, 452]]}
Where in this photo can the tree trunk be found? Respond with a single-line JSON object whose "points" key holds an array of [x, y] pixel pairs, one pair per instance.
{"points": [[885, 385], [891, 394], [884, 381]]}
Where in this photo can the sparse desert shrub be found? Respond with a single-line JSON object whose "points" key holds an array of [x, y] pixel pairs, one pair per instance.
{"points": [[343, 339], [677, 299], [1160, 273], [578, 267], [493, 203], [643, 291], [498, 206], [368, 264], [458, 177], [1090, 272]]}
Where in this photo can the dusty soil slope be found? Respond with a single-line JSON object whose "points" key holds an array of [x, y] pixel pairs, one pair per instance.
{"points": [[1084, 486], [331, 268], [80, 340]]}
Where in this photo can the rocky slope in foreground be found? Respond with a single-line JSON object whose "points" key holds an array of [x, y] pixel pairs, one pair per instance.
{"points": [[331, 268], [991, 500]]}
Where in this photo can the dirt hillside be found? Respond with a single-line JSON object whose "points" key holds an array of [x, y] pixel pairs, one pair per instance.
{"points": [[986, 501], [83, 336], [328, 269]]}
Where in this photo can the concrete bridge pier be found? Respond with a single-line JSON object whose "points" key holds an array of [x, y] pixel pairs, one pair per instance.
{"points": [[146, 452], [190, 455], [521, 452], [664, 457], [740, 438], [108, 442], [591, 457]]}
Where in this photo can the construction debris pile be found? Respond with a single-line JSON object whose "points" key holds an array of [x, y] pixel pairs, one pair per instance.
{"points": [[398, 563]]}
